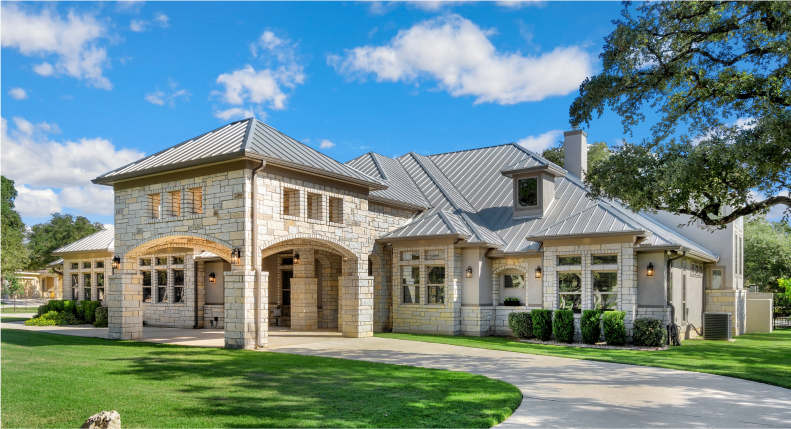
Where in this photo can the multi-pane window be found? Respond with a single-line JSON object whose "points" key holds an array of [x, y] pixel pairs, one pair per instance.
{"points": [[194, 201], [75, 265], [315, 211], [100, 286], [87, 285], [75, 286], [569, 260], [154, 206], [336, 210], [99, 264], [528, 192], [435, 254], [570, 287], [86, 265], [145, 262], [162, 260], [605, 296], [146, 286], [162, 286], [290, 202], [604, 259], [716, 279], [436, 285], [514, 281], [410, 281], [178, 285], [174, 203], [178, 260], [412, 255]]}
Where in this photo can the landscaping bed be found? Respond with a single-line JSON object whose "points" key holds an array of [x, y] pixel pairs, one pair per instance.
{"points": [[601, 345]]}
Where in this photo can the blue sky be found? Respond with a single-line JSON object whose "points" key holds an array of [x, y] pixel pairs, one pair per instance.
{"points": [[87, 87]]}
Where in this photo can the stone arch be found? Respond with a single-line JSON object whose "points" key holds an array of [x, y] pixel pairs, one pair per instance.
{"points": [[523, 267], [306, 240], [220, 248]]}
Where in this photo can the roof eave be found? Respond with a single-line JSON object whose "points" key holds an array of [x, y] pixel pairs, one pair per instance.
{"points": [[690, 252], [372, 186], [421, 237], [548, 168], [396, 203], [77, 252], [541, 238], [110, 180]]}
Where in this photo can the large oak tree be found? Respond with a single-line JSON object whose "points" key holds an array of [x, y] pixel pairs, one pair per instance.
{"points": [[717, 75]]}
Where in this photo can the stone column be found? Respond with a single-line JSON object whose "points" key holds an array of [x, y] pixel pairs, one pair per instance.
{"points": [[304, 292], [125, 306], [239, 309], [357, 306]]}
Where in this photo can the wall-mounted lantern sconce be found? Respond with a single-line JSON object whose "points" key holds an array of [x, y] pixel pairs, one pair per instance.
{"points": [[236, 255], [116, 262], [345, 259], [469, 272], [650, 271], [296, 258], [538, 272], [212, 277]]}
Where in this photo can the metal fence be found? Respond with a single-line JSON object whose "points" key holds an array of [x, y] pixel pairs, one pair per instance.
{"points": [[782, 322]]}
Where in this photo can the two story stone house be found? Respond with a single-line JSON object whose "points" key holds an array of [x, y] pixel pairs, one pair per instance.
{"points": [[243, 226]]}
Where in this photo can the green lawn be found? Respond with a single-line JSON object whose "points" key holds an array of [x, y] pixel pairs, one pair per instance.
{"points": [[20, 309], [12, 319], [59, 381], [759, 357]]}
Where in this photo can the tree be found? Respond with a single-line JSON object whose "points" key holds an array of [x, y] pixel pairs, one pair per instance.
{"points": [[57, 232], [14, 253], [697, 64], [767, 252], [12, 286], [597, 152]]}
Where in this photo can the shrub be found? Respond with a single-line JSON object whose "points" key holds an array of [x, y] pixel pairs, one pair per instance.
{"points": [[542, 324], [614, 329], [42, 309], [86, 310], [590, 325], [101, 317], [563, 326], [49, 318], [521, 324], [69, 306], [55, 305], [649, 332], [68, 318]]}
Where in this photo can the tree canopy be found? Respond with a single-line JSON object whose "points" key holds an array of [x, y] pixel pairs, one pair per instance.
{"points": [[767, 253], [597, 152], [700, 66], [14, 253], [57, 232]]}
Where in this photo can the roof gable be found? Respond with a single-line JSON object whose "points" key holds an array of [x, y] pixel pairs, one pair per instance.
{"points": [[100, 241]]}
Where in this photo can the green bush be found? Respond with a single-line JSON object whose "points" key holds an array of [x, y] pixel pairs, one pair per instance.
{"points": [[521, 324], [649, 332], [590, 325], [614, 329], [55, 305], [68, 318], [542, 323], [42, 309], [49, 318], [69, 306], [563, 326], [101, 317], [86, 310]]}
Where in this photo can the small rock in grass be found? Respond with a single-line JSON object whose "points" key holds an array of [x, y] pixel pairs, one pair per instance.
{"points": [[103, 420]]}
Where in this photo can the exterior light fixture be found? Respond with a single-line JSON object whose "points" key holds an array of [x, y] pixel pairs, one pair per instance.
{"points": [[538, 272], [296, 258], [469, 272], [345, 259], [236, 255], [650, 271], [212, 277], [116, 262]]}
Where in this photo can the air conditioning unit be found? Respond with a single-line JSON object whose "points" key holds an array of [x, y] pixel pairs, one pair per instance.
{"points": [[717, 326]]}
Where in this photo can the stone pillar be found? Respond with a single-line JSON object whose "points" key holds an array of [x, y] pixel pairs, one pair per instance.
{"points": [[239, 309], [304, 292], [357, 306], [125, 306]]}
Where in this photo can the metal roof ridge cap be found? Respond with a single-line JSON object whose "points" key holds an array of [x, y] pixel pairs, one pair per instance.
{"points": [[317, 171], [447, 221], [413, 179], [248, 134], [531, 153], [378, 166]]}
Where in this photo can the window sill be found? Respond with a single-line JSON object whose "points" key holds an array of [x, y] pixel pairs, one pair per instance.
{"points": [[174, 219]]}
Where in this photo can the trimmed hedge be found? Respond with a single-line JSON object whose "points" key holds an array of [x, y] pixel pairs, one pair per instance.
{"points": [[563, 326], [614, 329], [521, 324], [542, 323], [101, 317], [590, 325], [86, 310], [42, 309], [649, 332]]}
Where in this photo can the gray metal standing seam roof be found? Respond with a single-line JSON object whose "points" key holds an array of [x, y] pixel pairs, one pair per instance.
{"points": [[101, 241], [400, 187], [248, 137]]}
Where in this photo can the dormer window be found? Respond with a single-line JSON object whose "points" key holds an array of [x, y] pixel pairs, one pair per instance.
{"points": [[528, 192]]}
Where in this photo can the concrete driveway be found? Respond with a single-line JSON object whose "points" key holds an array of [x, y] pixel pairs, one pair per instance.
{"points": [[557, 392]]}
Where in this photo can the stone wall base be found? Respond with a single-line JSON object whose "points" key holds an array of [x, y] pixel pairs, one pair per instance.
{"points": [[210, 311], [729, 301], [478, 321]]}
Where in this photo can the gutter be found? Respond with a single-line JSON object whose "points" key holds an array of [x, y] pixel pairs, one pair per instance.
{"points": [[258, 287], [672, 328], [195, 281]]}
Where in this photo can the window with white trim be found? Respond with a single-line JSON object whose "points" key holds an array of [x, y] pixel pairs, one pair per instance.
{"points": [[605, 290], [570, 290], [100, 286], [410, 284], [86, 286], [436, 284]]}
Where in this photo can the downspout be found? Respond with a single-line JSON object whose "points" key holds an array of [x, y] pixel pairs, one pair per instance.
{"points": [[258, 287], [195, 280], [672, 328]]}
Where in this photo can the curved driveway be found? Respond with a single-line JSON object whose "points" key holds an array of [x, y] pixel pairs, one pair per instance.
{"points": [[561, 392]]}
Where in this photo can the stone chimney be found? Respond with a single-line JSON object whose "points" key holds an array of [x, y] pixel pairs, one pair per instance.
{"points": [[575, 148]]}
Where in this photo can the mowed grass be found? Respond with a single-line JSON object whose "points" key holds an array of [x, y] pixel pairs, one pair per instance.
{"points": [[58, 381], [765, 358], [12, 319], [10, 309]]}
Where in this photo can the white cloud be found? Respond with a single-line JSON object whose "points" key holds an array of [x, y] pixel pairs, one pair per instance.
{"points": [[248, 89], [72, 41], [326, 144], [540, 142], [458, 55], [52, 175], [379, 6], [161, 98], [139, 25], [156, 97], [18, 93]]}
